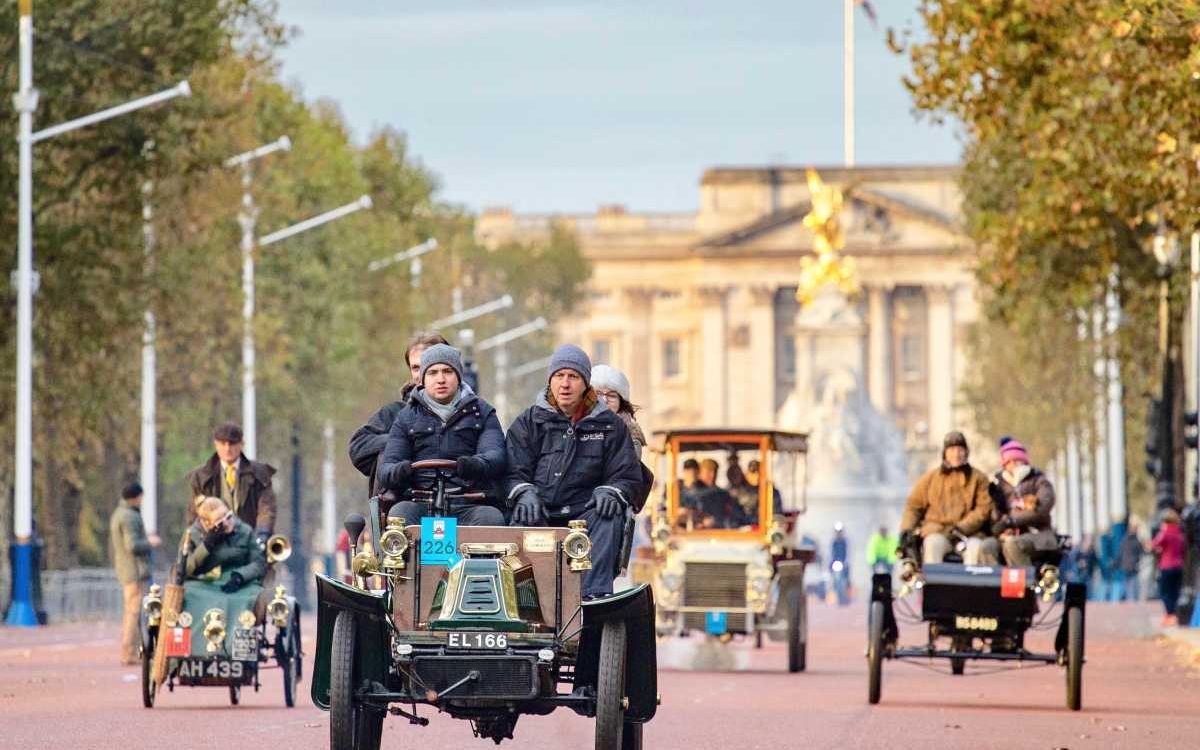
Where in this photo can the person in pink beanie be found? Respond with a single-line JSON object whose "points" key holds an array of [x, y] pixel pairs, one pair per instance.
{"points": [[1024, 505]]}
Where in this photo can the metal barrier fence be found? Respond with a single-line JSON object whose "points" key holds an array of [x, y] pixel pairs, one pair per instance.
{"points": [[93, 594]]}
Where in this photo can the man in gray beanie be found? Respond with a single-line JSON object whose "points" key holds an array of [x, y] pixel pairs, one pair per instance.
{"points": [[569, 458], [444, 419]]}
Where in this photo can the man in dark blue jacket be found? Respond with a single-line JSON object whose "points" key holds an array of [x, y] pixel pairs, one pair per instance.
{"points": [[444, 419], [570, 457]]}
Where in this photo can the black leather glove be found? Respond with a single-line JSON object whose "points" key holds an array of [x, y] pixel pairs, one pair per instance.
{"points": [[233, 584], [908, 540], [214, 537], [529, 510], [471, 467], [397, 474], [1004, 524], [608, 502]]}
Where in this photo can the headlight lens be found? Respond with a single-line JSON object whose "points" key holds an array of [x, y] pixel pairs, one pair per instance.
{"points": [[577, 545], [393, 542], [214, 628]]}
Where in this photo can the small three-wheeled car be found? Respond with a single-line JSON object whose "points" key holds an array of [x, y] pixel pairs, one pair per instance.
{"points": [[979, 612], [727, 558], [195, 634], [482, 623]]}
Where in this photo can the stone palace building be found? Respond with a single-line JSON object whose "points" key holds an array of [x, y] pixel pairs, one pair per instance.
{"points": [[699, 308]]}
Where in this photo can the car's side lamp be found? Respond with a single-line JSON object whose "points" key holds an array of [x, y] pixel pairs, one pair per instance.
{"points": [[910, 577], [278, 609], [776, 537], [578, 546], [1048, 582], [394, 544], [152, 605]]}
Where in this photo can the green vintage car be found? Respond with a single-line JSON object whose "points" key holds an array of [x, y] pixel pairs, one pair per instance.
{"points": [[480, 623], [195, 634]]}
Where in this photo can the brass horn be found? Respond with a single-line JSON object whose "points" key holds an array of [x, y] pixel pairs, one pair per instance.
{"points": [[278, 549]]}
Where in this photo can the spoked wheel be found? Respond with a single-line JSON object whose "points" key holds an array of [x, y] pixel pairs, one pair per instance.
{"points": [[631, 736], [235, 694], [610, 690], [351, 726], [149, 687], [1074, 658], [797, 622], [875, 652]]}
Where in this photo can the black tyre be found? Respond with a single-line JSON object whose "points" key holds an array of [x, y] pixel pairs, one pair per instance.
{"points": [[149, 688], [287, 666], [631, 736], [351, 726], [1074, 658], [235, 694], [797, 622], [958, 664], [875, 653], [610, 690], [758, 639]]}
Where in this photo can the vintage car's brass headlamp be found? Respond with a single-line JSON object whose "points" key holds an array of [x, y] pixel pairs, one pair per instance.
{"points": [[910, 576], [776, 537], [152, 605], [758, 585], [1048, 582], [277, 608], [661, 534], [394, 543], [214, 628], [578, 546]]}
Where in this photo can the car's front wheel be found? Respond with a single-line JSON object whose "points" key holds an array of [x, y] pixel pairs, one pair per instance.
{"points": [[610, 688], [351, 726], [1074, 658], [149, 687], [797, 629], [875, 653]]}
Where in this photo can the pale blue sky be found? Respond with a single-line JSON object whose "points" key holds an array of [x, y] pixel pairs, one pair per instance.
{"points": [[561, 105]]}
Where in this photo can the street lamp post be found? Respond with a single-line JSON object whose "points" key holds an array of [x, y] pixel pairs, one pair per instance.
{"points": [[21, 611], [1166, 251], [248, 219], [149, 437], [499, 342]]}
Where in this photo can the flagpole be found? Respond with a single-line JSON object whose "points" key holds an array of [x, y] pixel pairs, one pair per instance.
{"points": [[848, 84]]}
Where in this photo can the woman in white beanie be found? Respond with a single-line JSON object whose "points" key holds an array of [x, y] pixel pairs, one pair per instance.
{"points": [[612, 387]]}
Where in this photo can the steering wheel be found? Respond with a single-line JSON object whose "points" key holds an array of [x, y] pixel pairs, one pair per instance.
{"points": [[435, 464]]}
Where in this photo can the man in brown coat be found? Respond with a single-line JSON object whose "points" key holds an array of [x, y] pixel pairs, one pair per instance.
{"points": [[244, 485], [950, 497]]}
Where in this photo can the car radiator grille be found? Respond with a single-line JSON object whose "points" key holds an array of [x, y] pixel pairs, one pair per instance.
{"points": [[714, 585], [499, 676]]}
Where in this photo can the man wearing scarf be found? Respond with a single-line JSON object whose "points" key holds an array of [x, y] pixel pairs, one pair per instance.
{"points": [[570, 457], [949, 500], [444, 419]]}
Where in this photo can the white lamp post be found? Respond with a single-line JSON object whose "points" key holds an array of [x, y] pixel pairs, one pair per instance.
{"points": [[249, 396], [21, 609]]}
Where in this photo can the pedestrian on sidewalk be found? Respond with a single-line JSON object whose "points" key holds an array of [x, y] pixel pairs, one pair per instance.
{"points": [[1129, 561], [129, 546], [1169, 544]]}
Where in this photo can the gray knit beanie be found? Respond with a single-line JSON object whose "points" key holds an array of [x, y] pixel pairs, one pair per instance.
{"points": [[441, 354], [567, 357]]}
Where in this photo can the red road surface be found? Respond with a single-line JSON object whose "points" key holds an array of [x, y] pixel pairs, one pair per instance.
{"points": [[60, 688]]}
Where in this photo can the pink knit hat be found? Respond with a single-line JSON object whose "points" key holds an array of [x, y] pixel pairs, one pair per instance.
{"points": [[1013, 451]]}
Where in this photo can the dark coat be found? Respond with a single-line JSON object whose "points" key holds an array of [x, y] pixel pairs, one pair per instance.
{"points": [[128, 544], [369, 441], [1034, 490], [254, 500], [566, 462], [237, 553], [417, 434]]}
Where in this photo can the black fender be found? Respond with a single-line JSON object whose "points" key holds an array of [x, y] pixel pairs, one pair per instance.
{"points": [[1075, 596], [370, 616], [881, 591], [636, 607], [791, 573]]}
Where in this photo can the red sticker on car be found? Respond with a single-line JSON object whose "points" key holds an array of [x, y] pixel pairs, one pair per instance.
{"points": [[1012, 583], [179, 641]]}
